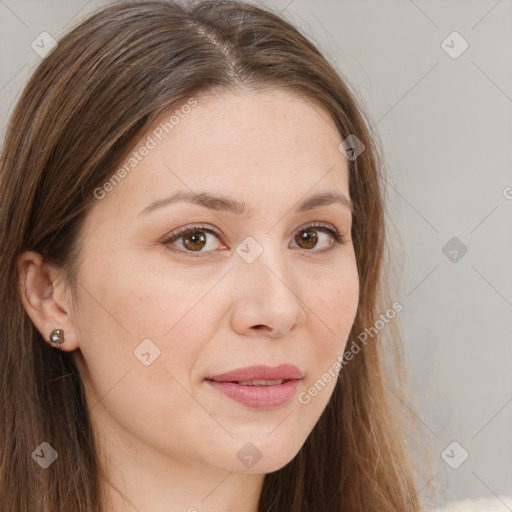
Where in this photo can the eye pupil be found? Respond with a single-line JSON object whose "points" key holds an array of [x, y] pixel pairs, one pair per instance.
{"points": [[309, 237], [195, 237]]}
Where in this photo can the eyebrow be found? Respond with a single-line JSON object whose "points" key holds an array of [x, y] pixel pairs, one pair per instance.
{"points": [[224, 204]]}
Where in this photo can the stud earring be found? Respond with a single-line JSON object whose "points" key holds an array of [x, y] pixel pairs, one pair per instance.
{"points": [[57, 337]]}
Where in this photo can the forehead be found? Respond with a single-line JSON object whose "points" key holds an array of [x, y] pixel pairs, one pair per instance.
{"points": [[246, 144]]}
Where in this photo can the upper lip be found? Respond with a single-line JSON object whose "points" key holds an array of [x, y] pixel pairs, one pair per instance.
{"points": [[261, 372]]}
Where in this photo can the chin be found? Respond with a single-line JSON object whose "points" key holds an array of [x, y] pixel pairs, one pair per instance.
{"points": [[263, 454]]}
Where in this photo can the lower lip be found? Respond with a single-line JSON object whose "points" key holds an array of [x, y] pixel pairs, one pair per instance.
{"points": [[258, 397]]}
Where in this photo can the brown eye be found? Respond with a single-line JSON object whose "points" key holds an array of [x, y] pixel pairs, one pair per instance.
{"points": [[308, 237], [194, 240]]}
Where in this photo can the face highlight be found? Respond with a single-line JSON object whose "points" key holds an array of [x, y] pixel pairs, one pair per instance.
{"points": [[227, 246]]}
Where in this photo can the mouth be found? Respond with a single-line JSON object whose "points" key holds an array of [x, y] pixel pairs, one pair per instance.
{"points": [[259, 387]]}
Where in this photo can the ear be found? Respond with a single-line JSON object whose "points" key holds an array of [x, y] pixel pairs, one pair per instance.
{"points": [[46, 299]]}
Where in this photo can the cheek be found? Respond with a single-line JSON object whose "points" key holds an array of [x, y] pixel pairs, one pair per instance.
{"points": [[123, 308], [116, 314], [333, 308]]}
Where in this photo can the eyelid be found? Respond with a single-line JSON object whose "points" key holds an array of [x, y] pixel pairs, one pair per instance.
{"points": [[190, 227]]}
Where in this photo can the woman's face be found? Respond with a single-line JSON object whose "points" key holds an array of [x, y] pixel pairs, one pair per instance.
{"points": [[159, 314]]}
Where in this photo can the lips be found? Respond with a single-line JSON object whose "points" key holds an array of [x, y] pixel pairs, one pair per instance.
{"points": [[259, 387]]}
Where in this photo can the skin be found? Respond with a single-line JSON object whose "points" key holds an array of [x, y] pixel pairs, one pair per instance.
{"points": [[169, 441]]}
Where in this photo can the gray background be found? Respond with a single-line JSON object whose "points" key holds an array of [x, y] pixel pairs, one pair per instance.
{"points": [[445, 126]]}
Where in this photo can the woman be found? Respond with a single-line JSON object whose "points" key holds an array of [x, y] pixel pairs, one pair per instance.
{"points": [[192, 226]]}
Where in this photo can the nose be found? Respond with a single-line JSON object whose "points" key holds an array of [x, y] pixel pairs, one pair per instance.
{"points": [[266, 295]]}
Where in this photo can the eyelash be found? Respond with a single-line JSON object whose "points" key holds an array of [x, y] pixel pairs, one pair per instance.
{"points": [[339, 239]]}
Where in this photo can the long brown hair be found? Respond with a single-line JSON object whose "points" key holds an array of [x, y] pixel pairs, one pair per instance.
{"points": [[83, 109]]}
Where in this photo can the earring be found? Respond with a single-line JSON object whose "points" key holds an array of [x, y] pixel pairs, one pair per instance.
{"points": [[57, 337]]}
